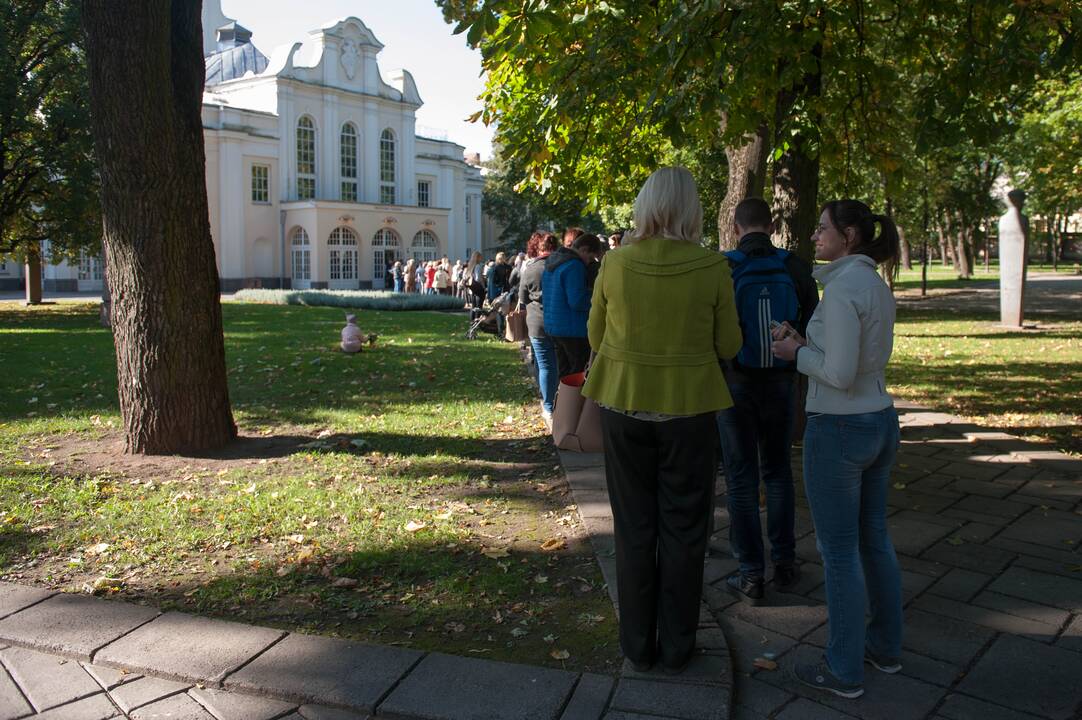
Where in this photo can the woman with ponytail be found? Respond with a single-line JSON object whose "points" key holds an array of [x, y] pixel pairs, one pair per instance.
{"points": [[850, 443]]}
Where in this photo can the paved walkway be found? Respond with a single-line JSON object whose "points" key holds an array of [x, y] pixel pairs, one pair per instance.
{"points": [[987, 529]]}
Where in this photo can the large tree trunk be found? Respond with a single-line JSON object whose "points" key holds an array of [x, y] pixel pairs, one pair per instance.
{"points": [[796, 171], [747, 178], [907, 257], [146, 83]]}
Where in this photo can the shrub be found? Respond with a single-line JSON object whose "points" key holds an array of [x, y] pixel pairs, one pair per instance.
{"points": [[361, 299]]}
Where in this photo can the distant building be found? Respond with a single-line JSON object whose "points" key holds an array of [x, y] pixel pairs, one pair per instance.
{"points": [[316, 177]]}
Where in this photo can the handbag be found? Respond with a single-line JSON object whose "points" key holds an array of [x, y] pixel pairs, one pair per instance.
{"points": [[576, 419], [516, 331]]}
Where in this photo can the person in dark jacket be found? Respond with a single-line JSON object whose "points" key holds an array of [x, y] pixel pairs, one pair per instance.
{"points": [[499, 278], [538, 249], [757, 431], [567, 301]]}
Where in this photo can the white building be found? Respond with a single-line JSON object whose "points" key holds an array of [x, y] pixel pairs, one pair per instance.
{"points": [[315, 174]]}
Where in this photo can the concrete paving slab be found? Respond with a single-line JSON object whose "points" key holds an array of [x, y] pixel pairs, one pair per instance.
{"points": [[1045, 683], [702, 670], [748, 641], [979, 558], [95, 707], [1053, 489], [239, 706], [944, 638], [1045, 552], [991, 506], [322, 712], [73, 626], [760, 697], [1071, 638], [1054, 528], [47, 680], [305, 668], [590, 698], [957, 706], [12, 703], [144, 691], [804, 709], [1023, 608], [687, 702], [175, 707], [791, 615], [443, 687], [14, 598], [994, 619], [185, 647], [109, 678], [930, 670]]}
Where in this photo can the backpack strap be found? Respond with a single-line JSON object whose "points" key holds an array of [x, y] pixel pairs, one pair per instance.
{"points": [[735, 256]]}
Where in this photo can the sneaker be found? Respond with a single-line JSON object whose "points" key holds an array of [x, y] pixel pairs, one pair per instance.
{"points": [[546, 416], [820, 677], [747, 588], [882, 663], [785, 576]]}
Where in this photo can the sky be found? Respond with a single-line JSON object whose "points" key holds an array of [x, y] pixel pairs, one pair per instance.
{"points": [[414, 36]]}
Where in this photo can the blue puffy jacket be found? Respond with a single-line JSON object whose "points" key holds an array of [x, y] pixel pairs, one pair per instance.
{"points": [[565, 295]]}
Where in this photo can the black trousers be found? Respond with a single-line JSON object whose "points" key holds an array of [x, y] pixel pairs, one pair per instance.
{"points": [[660, 477], [572, 354]]}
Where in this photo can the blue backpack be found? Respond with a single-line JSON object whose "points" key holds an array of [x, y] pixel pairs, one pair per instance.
{"points": [[764, 291]]}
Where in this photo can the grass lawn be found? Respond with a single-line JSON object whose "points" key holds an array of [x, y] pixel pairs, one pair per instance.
{"points": [[945, 277], [407, 495], [1026, 382]]}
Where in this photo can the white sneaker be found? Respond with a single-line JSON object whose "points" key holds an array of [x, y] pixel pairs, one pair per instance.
{"points": [[546, 416]]}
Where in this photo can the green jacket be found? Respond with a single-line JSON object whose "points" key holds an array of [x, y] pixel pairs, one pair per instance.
{"points": [[663, 315]]}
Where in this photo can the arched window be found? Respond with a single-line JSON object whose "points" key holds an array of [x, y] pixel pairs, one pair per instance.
{"points": [[302, 258], [342, 250], [386, 167], [306, 159], [384, 252], [425, 246], [348, 162]]}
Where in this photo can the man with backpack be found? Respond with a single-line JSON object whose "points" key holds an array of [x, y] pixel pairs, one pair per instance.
{"points": [[771, 286]]}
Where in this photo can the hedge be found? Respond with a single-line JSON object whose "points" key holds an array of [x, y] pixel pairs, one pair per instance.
{"points": [[361, 299]]}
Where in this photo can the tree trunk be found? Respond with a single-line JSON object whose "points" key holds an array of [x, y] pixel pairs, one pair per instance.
{"points": [[796, 171], [146, 82], [962, 258], [907, 258], [105, 311], [747, 178], [944, 247], [33, 275]]}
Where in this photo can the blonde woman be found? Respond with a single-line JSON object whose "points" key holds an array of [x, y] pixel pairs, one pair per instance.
{"points": [[662, 316], [475, 270]]}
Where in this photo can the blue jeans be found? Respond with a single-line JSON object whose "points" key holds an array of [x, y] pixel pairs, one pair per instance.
{"points": [[756, 441], [548, 379], [847, 463], [398, 285]]}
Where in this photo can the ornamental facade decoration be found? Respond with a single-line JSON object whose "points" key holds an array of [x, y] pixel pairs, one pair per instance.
{"points": [[390, 220], [349, 57], [345, 218], [429, 223]]}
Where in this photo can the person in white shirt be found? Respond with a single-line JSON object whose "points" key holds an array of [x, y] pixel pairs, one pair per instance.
{"points": [[850, 443]]}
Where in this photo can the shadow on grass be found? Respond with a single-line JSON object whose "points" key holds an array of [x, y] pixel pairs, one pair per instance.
{"points": [[427, 596]]}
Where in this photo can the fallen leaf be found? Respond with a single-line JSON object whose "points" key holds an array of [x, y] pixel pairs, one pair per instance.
{"points": [[900, 486], [495, 552], [955, 540], [559, 654], [344, 582], [764, 664], [553, 544], [519, 632], [97, 549], [414, 526]]}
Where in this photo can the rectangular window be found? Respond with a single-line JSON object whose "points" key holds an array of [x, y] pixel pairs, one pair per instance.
{"points": [[386, 194], [349, 191], [424, 188], [260, 184], [348, 163], [84, 266], [306, 188], [336, 265]]}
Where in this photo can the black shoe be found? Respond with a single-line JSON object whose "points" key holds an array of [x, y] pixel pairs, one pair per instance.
{"points": [[819, 676], [747, 588], [785, 576]]}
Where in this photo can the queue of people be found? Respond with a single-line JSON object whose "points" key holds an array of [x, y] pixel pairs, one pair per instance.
{"points": [[689, 352]]}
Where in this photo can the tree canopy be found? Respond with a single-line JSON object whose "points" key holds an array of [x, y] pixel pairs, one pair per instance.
{"points": [[48, 179]]}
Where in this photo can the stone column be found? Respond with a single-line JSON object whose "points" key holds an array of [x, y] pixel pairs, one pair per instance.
{"points": [[1013, 246]]}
